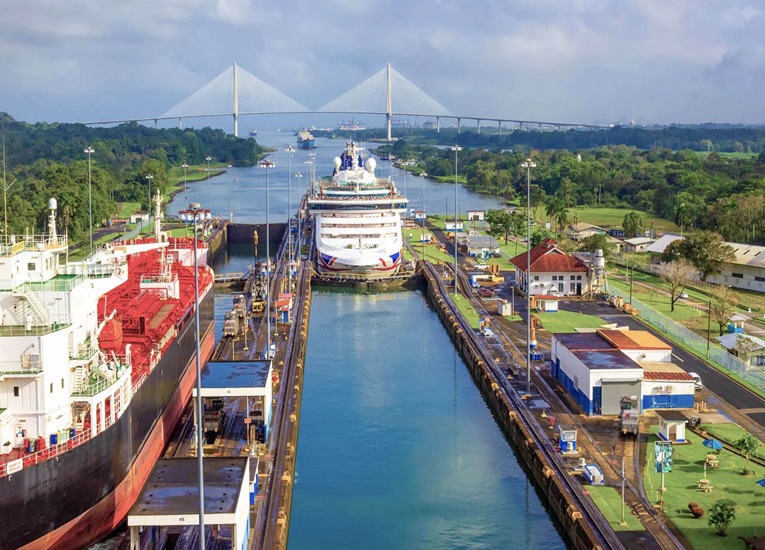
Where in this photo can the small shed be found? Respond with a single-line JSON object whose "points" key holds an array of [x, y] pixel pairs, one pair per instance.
{"points": [[638, 244], [475, 215], [546, 303], [451, 225], [567, 439], [505, 308], [736, 322], [420, 215], [672, 425], [750, 349]]}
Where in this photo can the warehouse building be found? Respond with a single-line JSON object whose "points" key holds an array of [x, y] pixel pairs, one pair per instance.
{"points": [[599, 368]]}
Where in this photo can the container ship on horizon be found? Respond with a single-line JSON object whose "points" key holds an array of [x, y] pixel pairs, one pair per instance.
{"points": [[357, 219], [96, 367], [305, 140]]}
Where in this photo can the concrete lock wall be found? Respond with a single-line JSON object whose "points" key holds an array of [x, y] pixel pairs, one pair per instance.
{"points": [[563, 508]]}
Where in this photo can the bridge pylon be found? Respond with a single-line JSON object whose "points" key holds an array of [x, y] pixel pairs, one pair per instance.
{"points": [[388, 104]]}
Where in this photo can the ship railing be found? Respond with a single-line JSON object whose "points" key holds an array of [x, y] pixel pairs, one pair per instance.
{"points": [[31, 459], [99, 383], [10, 245], [21, 366], [35, 330]]}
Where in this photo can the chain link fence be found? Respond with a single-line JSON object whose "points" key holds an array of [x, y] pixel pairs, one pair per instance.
{"points": [[697, 344]]}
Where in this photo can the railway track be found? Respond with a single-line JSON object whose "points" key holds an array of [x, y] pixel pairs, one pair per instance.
{"points": [[606, 535]]}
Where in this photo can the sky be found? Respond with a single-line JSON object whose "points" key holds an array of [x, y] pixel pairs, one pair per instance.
{"points": [[583, 61]]}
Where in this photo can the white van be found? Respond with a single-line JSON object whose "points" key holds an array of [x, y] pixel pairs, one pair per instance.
{"points": [[698, 385]]}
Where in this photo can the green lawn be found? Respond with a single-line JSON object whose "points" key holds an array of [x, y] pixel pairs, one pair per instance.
{"points": [[609, 502], [729, 432], [615, 217], [729, 155], [467, 309], [568, 321], [127, 208], [728, 485]]}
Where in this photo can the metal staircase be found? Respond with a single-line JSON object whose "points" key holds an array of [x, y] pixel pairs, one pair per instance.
{"points": [[38, 307]]}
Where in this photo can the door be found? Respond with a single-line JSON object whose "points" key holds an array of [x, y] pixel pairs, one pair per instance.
{"points": [[578, 289]]}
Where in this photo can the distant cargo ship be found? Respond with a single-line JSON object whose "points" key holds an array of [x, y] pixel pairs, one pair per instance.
{"points": [[305, 140], [96, 367], [357, 219], [351, 126]]}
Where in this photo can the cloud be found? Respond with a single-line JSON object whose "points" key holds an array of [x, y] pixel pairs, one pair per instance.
{"points": [[577, 60]]}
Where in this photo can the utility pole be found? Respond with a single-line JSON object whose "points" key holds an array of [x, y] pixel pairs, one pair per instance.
{"points": [[709, 325]]}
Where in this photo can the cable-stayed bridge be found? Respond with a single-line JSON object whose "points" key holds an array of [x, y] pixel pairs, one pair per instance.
{"points": [[236, 92]]}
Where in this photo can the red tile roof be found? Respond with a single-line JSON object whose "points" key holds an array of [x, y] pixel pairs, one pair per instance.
{"points": [[547, 258], [679, 376]]}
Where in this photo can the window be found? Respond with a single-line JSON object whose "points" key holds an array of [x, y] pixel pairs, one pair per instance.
{"points": [[31, 266], [737, 275], [573, 277], [51, 387], [536, 278], [15, 391], [62, 383], [555, 277], [760, 279]]}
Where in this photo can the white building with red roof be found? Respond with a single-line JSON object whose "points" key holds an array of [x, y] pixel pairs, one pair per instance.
{"points": [[552, 271]]}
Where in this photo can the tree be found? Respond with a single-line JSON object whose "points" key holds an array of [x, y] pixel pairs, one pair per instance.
{"points": [[704, 249], [748, 445], [501, 222], [538, 236], [722, 304], [595, 242], [518, 228], [633, 224], [553, 208], [721, 517], [678, 275]]}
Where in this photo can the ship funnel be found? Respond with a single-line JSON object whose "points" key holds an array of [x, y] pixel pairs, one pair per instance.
{"points": [[370, 165], [52, 204]]}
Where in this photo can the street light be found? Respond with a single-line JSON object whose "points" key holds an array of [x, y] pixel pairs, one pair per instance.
{"points": [[456, 149], [299, 176], [230, 203], [149, 177], [185, 185], [89, 150], [208, 159], [289, 150], [268, 164], [528, 164], [198, 214]]}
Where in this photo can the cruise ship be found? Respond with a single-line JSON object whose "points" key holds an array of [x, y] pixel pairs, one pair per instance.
{"points": [[96, 366], [357, 219]]}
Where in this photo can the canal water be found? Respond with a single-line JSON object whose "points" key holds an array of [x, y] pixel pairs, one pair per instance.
{"points": [[397, 448]]}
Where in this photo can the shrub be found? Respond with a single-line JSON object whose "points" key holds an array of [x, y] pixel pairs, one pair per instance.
{"points": [[696, 510]]}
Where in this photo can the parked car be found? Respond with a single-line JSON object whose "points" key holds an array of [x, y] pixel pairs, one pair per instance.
{"points": [[684, 295], [482, 266], [485, 292]]}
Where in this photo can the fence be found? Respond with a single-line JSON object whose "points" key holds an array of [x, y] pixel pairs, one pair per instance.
{"points": [[697, 344]]}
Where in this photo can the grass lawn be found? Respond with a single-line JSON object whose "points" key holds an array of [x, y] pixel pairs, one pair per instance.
{"points": [[568, 321], [467, 309], [609, 502], [728, 155], [615, 216], [728, 486], [729, 432], [127, 208]]}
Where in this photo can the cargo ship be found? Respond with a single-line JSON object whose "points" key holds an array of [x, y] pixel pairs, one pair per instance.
{"points": [[97, 363], [305, 140], [357, 219]]}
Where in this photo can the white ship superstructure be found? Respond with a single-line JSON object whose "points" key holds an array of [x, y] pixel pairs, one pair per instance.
{"points": [[357, 219]]}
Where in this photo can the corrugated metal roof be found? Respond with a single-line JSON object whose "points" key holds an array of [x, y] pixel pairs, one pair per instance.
{"points": [[579, 341]]}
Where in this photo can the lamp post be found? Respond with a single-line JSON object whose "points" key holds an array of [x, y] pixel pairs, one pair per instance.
{"points": [[528, 164], [208, 159], [89, 150], [456, 149], [230, 203], [299, 176], [268, 164], [149, 177], [185, 185], [289, 150], [197, 213], [422, 231]]}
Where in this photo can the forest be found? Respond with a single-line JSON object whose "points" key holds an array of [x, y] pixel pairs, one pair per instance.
{"points": [[720, 192], [44, 160]]}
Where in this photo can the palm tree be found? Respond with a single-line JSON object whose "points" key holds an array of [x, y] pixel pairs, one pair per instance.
{"points": [[721, 517], [553, 208], [748, 445]]}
